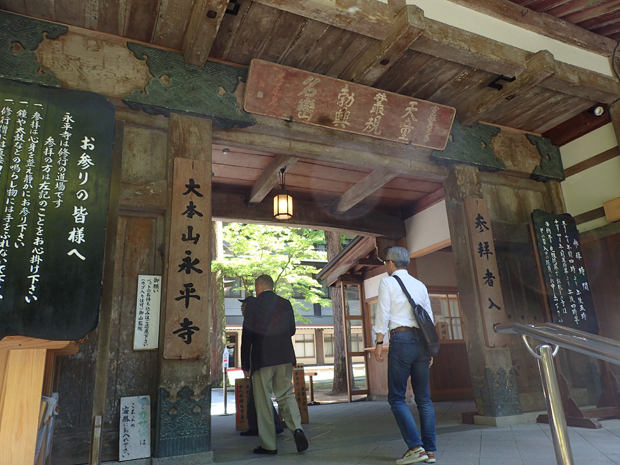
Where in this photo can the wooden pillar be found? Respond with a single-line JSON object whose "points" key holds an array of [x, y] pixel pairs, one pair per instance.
{"points": [[185, 384], [493, 376]]}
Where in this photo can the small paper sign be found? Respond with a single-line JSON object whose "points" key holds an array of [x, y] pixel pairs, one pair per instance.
{"points": [[148, 305], [135, 428]]}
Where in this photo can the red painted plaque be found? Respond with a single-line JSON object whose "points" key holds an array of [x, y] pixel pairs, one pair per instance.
{"points": [[296, 95]]}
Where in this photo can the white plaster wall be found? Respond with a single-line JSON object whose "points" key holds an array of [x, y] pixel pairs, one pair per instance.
{"points": [[436, 269], [371, 286], [427, 228], [459, 16], [589, 189]]}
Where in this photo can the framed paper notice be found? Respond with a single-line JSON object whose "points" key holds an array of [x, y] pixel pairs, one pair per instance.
{"points": [[148, 305]]}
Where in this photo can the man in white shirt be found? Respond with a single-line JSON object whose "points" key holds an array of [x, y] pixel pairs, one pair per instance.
{"points": [[406, 357]]}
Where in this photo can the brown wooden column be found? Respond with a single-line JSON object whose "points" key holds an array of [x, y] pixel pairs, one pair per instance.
{"points": [[493, 376], [185, 384]]}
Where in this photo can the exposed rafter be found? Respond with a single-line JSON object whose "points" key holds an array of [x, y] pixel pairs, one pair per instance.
{"points": [[269, 178], [204, 22], [363, 189]]}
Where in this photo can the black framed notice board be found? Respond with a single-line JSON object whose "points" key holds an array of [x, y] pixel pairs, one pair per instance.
{"points": [[563, 268], [55, 163]]}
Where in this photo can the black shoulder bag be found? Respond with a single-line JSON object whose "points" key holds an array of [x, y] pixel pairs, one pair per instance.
{"points": [[427, 327]]}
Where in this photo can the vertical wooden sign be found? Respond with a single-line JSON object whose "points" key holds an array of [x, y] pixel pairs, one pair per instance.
{"points": [[242, 393], [301, 396], [486, 270], [187, 325]]}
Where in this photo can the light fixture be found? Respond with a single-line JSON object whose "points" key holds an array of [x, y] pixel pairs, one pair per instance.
{"points": [[225, 151], [282, 202], [597, 110]]}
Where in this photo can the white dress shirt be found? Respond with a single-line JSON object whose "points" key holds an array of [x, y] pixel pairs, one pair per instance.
{"points": [[393, 308]]}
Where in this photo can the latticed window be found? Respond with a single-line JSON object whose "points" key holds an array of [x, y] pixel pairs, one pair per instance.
{"points": [[447, 313], [304, 345]]}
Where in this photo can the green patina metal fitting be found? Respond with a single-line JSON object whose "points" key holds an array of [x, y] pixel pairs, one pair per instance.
{"points": [[183, 425], [470, 146], [20, 63], [550, 168], [178, 87]]}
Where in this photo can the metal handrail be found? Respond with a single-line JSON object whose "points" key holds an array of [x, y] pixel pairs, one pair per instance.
{"points": [[573, 339], [579, 341]]}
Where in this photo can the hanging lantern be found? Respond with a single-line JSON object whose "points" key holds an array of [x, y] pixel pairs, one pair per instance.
{"points": [[282, 202]]}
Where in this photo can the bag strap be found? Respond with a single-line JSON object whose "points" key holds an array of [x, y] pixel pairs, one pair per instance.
{"points": [[406, 292]]}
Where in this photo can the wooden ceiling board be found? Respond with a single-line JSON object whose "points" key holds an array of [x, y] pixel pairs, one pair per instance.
{"points": [[595, 24], [242, 160], [230, 26], [570, 109], [350, 56], [414, 185], [18, 6], [423, 83], [533, 100], [43, 9], [236, 172], [254, 31], [403, 71], [609, 29], [140, 17], [457, 91], [303, 43], [329, 50], [171, 23], [561, 9], [279, 40], [585, 14], [555, 105], [111, 17], [71, 12], [435, 83]]}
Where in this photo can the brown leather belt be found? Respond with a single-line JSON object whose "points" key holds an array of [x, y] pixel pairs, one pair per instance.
{"points": [[402, 328]]}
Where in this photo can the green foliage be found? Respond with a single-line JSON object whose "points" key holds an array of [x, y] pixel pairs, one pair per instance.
{"points": [[253, 249]]}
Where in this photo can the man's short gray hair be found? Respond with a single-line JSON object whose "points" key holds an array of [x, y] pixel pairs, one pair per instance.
{"points": [[265, 280], [398, 255]]}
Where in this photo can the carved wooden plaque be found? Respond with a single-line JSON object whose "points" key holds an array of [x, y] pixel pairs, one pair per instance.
{"points": [[187, 319], [296, 95], [486, 270]]}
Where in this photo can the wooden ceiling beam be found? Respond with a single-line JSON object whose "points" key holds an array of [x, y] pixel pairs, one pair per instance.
{"points": [[233, 207], [540, 66], [543, 24], [376, 20], [270, 176], [370, 184], [204, 22], [381, 56]]}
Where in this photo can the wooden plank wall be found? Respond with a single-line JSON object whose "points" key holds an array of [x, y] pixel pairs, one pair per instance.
{"points": [[139, 251]]}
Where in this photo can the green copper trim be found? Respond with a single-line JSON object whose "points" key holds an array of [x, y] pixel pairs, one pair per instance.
{"points": [[20, 63], [178, 87], [550, 168]]}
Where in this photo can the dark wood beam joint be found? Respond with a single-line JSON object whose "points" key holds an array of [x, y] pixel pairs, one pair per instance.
{"points": [[540, 67], [409, 24]]}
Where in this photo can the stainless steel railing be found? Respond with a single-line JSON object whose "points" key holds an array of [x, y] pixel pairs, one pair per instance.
{"points": [[589, 344]]}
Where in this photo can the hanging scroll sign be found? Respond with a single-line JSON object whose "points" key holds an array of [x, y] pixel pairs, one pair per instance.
{"points": [[55, 162]]}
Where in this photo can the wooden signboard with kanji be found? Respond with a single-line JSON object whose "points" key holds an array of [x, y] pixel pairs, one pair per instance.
{"points": [[301, 395], [242, 393], [296, 95], [486, 270], [187, 319]]}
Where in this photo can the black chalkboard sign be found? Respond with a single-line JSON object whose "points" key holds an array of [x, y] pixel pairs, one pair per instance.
{"points": [[55, 162], [564, 272]]}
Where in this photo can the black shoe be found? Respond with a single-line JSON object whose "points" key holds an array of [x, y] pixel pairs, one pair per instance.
{"points": [[300, 440], [260, 450], [249, 432]]}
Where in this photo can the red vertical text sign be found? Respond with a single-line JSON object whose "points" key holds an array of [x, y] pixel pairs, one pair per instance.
{"points": [[187, 320]]}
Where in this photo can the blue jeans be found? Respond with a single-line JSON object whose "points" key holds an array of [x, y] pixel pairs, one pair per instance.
{"points": [[407, 357]]}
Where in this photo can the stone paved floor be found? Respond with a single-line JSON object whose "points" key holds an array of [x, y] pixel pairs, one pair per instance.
{"points": [[366, 433]]}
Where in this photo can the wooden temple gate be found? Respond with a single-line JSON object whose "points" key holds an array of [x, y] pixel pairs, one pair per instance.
{"points": [[181, 129]]}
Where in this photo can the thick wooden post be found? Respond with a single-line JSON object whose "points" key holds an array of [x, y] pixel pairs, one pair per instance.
{"points": [[493, 377], [185, 384]]}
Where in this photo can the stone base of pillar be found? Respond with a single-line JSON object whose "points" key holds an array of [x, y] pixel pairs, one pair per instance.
{"points": [[509, 420], [496, 393]]}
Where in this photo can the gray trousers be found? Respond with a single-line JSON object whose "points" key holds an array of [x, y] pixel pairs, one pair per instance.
{"points": [[276, 380]]}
